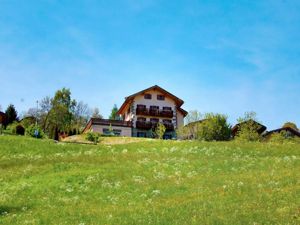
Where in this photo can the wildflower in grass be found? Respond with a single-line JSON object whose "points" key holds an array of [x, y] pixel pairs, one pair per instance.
{"points": [[109, 217], [125, 151], [139, 179], [118, 184], [155, 193], [70, 190], [143, 195]]}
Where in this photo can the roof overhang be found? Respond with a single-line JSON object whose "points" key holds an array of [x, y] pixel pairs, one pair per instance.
{"points": [[154, 88]]}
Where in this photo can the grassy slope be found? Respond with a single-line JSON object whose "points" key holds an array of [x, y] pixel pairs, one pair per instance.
{"points": [[105, 140], [148, 182]]}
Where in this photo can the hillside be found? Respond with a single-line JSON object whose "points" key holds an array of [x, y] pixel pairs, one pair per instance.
{"points": [[148, 182]]}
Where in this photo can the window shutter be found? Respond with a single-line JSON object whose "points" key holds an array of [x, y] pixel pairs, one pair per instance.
{"points": [[151, 119], [164, 120], [144, 106], [163, 97], [138, 134], [150, 96], [145, 134], [157, 97], [157, 107]]}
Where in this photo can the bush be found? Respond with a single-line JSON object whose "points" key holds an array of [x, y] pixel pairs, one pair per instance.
{"points": [[90, 136], [12, 127], [30, 131]]}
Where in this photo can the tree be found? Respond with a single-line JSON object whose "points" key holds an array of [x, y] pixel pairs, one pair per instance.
{"points": [[82, 110], [191, 130], [63, 107], [158, 132], [110, 128], [214, 127], [58, 110], [248, 128], [11, 114], [291, 125], [46, 106], [96, 114], [114, 113], [30, 131]]}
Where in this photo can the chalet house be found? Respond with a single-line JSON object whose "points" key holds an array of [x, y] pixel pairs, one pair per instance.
{"points": [[289, 132], [260, 130], [3, 119], [142, 111]]}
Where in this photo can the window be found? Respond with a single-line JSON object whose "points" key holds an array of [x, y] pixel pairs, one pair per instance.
{"points": [[106, 131], [167, 108], [141, 119], [147, 96], [168, 136], [289, 135], [141, 134], [167, 121], [154, 107], [160, 97], [154, 120], [141, 106]]}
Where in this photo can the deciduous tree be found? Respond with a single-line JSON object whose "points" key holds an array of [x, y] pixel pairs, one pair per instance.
{"points": [[291, 125], [96, 114], [248, 128], [215, 127]]}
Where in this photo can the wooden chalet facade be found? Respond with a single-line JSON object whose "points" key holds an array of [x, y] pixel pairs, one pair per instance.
{"points": [[142, 111], [3, 119], [151, 106], [288, 132]]}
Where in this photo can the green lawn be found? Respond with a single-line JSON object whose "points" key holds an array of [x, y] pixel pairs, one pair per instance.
{"points": [[148, 182]]}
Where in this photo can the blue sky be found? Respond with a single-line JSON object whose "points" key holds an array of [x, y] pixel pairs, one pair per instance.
{"points": [[218, 56]]}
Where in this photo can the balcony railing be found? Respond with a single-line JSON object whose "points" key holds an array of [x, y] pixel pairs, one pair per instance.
{"points": [[149, 124], [119, 123], [154, 112]]}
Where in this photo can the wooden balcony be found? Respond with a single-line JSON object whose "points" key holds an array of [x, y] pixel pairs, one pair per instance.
{"points": [[154, 112], [149, 125]]}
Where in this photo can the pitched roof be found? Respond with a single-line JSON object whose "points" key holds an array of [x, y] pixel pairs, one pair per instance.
{"points": [[261, 130], [284, 128], [2, 113], [155, 87]]}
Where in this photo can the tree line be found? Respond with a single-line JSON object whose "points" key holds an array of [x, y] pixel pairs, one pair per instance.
{"points": [[57, 114], [215, 127]]}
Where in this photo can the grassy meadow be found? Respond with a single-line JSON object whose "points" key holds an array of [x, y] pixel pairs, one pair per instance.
{"points": [[148, 182]]}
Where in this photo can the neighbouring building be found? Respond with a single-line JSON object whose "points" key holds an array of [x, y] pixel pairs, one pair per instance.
{"points": [[3, 119], [262, 128], [122, 128], [142, 111], [288, 132]]}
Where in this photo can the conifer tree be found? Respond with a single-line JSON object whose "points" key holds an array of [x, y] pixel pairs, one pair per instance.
{"points": [[11, 114]]}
